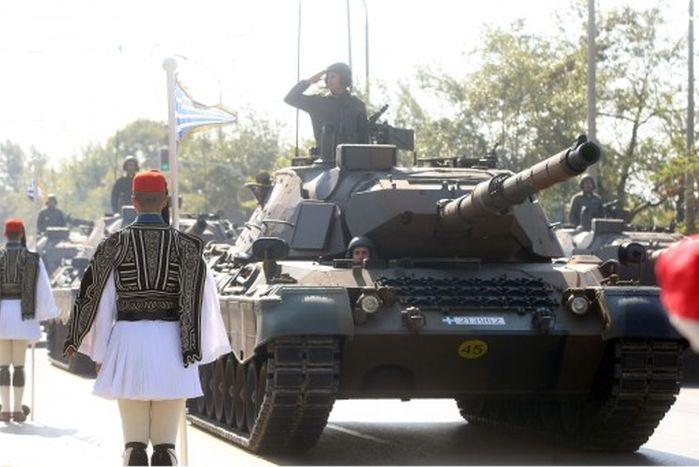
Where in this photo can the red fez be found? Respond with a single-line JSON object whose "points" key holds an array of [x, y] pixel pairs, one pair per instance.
{"points": [[149, 180], [14, 226], [677, 270]]}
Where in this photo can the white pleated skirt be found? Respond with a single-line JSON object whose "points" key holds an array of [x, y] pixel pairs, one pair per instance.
{"points": [[144, 362], [12, 326]]}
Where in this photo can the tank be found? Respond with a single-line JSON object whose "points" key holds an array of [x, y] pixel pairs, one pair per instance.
{"points": [[464, 296], [612, 237]]}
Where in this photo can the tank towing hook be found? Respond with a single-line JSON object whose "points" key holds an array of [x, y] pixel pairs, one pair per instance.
{"points": [[413, 318]]}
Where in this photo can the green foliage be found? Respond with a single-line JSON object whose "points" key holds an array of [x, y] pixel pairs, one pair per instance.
{"points": [[527, 95], [215, 165]]}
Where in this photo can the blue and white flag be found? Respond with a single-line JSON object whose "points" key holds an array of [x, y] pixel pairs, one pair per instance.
{"points": [[193, 116], [34, 191]]}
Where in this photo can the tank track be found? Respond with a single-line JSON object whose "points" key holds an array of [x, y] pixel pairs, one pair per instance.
{"points": [[636, 385], [286, 408]]}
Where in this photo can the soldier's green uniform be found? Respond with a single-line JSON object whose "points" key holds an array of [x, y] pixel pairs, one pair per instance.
{"points": [[50, 216], [587, 199], [342, 112]]}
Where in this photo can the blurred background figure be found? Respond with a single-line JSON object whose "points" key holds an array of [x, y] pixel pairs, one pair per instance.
{"points": [[121, 191], [50, 216]]}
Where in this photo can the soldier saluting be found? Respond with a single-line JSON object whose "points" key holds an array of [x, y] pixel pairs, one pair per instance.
{"points": [[340, 114], [148, 314], [25, 300]]}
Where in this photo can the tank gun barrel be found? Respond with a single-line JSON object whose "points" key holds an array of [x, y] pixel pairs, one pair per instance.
{"points": [[505, 190]]}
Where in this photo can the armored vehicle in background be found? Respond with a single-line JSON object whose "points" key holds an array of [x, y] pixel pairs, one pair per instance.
{"points": [[462, 297], [612, 237]]}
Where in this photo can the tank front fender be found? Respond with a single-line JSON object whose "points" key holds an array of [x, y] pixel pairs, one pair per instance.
{"points": [[304, 311], [636, 312]]}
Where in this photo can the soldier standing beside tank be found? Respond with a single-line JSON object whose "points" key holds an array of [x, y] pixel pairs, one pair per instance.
{"points": [[50, 216], [148, 314], [25, 300], [121, 191], [340, 115], [585, 205]]}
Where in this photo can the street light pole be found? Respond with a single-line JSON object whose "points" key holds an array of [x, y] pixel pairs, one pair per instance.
{"points": [[366, 49], [690, 211], [592, 82], [349, 35]]}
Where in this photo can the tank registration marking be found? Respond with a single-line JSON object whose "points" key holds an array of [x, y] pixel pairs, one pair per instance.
{"points": [[472, 349], [474, 320]]}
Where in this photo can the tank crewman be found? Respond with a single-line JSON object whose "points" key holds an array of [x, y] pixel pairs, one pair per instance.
{"points": [[677, 271], [148, 314], [25, 300], [340, 111], [50, 216], [360, 249], [586, 200], [121, 191]]}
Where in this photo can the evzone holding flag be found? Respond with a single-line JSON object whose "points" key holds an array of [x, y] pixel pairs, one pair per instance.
{"points": [[25, 301], [148, 314]]}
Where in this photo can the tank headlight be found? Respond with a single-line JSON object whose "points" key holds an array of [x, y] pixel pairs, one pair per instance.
{"points": [[369, 303], [578, 304]]}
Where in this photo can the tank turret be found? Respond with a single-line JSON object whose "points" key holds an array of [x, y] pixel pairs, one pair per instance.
{"points": [[504, 191]]}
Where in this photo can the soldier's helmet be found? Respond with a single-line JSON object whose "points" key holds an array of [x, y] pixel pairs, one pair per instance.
{"points": [[588, 177], [360, 241], [129, 158], [344, 71]]}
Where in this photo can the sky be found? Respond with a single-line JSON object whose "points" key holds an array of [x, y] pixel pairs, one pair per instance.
{"points": [[73, 72]]}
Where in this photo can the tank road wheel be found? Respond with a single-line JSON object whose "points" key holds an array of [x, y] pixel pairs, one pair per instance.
{"points": [[250, 395], [238, 398], [219, 390], [228, 394], [204, 381], [209, 392]]}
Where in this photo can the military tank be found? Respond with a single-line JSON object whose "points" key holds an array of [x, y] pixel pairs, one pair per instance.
{"points": [[464, 296], [609, 237]]}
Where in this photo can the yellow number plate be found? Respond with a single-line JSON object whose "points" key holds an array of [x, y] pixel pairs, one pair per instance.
{"points": [[474, 348]]}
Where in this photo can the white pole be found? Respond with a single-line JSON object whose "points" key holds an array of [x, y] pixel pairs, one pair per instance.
{"points": [[33, 406], [170, 65]]}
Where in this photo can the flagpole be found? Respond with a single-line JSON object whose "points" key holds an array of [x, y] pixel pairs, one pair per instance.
{"points": [[170, 65]]}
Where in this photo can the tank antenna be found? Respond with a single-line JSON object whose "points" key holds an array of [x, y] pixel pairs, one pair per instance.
{"points": [[298, 76]]}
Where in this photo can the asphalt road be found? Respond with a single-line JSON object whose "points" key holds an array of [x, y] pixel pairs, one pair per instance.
{"points": [[72, 427]]}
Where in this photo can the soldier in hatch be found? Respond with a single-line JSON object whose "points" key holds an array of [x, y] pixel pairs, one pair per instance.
{"points": [[360, 249], [121, 191], [50, 216], [340, 113], [585, 205]]}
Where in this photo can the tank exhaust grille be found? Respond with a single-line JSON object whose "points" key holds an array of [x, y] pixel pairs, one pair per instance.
{"points": [[522, 294]]}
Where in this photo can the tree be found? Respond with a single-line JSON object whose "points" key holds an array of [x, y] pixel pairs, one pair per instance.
{"points": [[527, 94]]}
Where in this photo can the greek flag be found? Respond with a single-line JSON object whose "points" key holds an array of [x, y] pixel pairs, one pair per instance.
{"points": [[193, 116]]}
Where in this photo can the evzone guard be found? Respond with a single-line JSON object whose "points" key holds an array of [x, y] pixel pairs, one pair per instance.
{"points": [[148, 314], [25, 301]]}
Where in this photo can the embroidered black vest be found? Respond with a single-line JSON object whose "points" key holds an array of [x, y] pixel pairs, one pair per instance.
{"points": [[159, 275], [19, 270]]}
